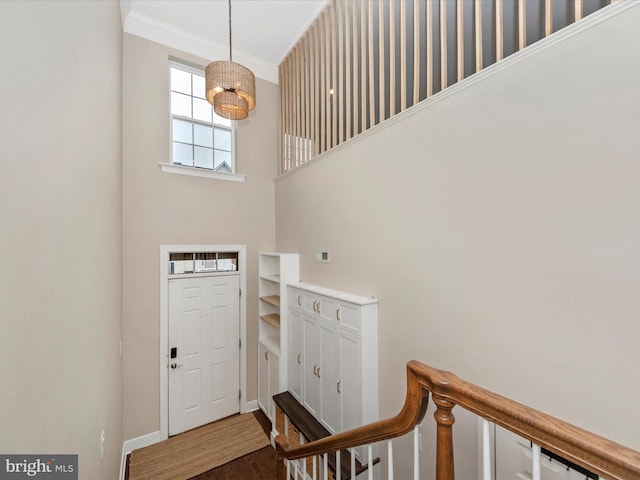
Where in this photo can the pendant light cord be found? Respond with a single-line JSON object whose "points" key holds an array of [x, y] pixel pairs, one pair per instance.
{"points": [[230, 57]]}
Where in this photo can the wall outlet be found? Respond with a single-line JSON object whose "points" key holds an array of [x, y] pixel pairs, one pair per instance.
{"points": [[322, 257]]}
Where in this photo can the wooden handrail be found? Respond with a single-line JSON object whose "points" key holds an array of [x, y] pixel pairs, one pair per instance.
{"points": [[411, 414], [593, 452]]}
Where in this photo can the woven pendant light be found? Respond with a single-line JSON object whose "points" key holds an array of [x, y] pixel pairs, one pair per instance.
{"points": [[230, 87]]}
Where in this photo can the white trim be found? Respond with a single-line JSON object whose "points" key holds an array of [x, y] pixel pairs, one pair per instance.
{"points": [[152, 29], [252, 406], [133, 444], [201, 172], [165, 250], [125, 8], [304, 29], [541, 45]]}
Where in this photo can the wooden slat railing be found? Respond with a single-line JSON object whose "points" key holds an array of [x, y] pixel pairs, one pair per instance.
{"points": [[363, 61], [595, 453]]}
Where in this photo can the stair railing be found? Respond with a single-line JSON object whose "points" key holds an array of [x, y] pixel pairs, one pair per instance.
{"points": [[585, 449]]}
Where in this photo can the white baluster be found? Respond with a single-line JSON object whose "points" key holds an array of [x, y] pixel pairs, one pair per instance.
{"points": [[325, 466], [486, 450], [338, 466], [288, 464], [353, 464], [315, 467], [370, 461], [416, 453], [390, 460], [535, 458]]}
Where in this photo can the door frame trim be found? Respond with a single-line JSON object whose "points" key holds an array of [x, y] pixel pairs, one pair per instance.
{"points": [[165, 250]]}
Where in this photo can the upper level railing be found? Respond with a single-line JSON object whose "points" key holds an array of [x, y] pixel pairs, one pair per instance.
{"points": [[363, 61], [592, 452]]}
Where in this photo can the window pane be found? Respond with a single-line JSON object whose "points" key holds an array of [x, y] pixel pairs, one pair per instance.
{"points": [[203, 157], [200, 138], [182, 131], [182, 154], [202, 110], [180, 81], [180, 104], [223, 139], [203, 135], [218, 120], [223, 161], [198, 86]]}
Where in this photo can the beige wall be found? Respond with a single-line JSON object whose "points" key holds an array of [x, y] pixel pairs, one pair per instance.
{"points": [[169, 209], [60, 231], [499, 230]]}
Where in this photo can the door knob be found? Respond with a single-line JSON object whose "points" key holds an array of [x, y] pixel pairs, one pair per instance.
{"points": [[175, 365]]}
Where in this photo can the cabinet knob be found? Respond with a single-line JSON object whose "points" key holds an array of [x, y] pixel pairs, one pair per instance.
{"points": [[315, 370], [299, 358], [338, 314], [318, 371], [299, 300], [338, 386], [266, 355]]}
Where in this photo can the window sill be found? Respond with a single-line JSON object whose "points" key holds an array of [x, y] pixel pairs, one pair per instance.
{"points": [[201, 172]]}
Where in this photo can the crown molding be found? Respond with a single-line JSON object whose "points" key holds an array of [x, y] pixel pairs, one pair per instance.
{"points": [[165, 34], [305, 29]]}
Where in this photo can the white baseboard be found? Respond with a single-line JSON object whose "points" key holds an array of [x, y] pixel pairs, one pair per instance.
{"points": [[252, 406], [139, 442]]}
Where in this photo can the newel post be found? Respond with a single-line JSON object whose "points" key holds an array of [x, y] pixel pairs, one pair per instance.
{"points": [[281, 441], [444, 446]]}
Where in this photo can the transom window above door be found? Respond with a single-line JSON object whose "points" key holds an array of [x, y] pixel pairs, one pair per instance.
{"points": [[199, 138]]}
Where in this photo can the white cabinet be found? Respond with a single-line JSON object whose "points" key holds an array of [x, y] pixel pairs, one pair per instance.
{"points": [[311, 364], [296, 339], [333, 363], [268, 379], [275, 270]]}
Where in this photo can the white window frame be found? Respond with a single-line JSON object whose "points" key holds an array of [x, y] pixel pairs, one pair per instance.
{"points": [[193, 170]]}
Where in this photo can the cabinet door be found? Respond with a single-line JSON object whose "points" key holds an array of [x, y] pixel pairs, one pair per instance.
{"points": [[349, 318], [329, 376], [350, 382], [309, 303], [295, 297], [311, 362], [328, 308], [274, 386], [296, 351], [263, 379]]}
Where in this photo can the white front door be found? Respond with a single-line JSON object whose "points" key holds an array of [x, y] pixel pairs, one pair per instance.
{"points": [[204, 350]]}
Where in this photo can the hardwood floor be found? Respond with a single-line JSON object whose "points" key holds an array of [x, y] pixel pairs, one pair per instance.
{"points": [[259, 465]]}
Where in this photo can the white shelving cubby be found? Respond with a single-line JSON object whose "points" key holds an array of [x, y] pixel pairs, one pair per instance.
{"points": [[275, 271]]}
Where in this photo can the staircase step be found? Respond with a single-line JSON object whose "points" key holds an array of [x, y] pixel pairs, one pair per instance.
{"points": [[312, 430]]}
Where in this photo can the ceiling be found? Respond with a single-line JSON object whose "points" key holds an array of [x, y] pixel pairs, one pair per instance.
{"points": [[263, 30]]}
